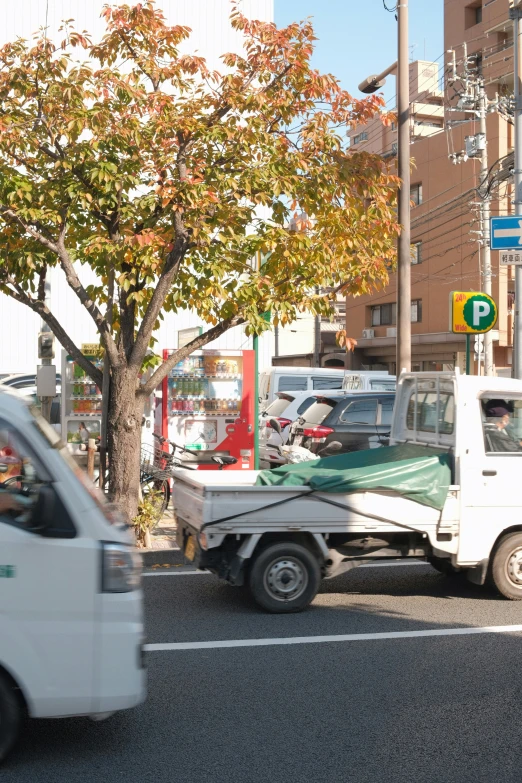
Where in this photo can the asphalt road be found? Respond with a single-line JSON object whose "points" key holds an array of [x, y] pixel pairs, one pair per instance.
{"points": [[440, 706]]}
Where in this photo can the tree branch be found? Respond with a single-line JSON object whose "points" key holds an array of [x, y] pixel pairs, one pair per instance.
{"points": [[194, 345], [61, 335]]}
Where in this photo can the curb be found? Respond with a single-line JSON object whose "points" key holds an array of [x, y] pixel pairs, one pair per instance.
{"points": [[162, 557]]}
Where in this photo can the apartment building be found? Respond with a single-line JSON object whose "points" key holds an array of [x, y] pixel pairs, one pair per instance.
{"points": [[446, 254]]}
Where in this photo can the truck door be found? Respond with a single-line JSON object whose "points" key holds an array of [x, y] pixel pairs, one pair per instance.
{"points": [[48, 586], [491, 489]]}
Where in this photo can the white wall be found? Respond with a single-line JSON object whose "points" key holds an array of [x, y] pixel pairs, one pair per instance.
{"points": [[212, 36]]}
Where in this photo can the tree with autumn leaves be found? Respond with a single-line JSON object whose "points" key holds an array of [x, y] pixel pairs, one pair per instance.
{"points": [[168, 179]]}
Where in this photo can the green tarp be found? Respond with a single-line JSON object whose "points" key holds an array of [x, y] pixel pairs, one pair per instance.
{"points": [[420, 473]]}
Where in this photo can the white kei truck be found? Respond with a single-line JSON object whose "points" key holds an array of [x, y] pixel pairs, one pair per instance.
{"points": [[447, 490], [71, 605]]}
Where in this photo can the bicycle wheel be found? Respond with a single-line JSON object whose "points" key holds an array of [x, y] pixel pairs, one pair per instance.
{"points": [[158, 491]]}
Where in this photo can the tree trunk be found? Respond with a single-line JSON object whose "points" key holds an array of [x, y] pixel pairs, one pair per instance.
{"points": [[124, 440]]}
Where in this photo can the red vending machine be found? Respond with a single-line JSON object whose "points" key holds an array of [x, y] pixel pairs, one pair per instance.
{"points": [[208, 406]]}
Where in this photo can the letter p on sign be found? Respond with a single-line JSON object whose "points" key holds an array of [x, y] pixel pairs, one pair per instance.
{"points": [[480, 310]]}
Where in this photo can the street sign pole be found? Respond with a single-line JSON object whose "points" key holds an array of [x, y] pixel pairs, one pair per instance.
{"points": [[517, 337], [468, 340]]}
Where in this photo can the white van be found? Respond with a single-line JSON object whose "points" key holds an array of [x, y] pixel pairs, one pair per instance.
{"points": [[71, 618], [283, 379], [369, 380]]}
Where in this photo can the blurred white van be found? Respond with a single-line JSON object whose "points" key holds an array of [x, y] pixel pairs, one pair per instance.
{"points": [[284, 379]]}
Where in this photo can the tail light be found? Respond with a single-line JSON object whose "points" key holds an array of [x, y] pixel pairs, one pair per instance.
{"points": [[317, 433], [282, 422]]}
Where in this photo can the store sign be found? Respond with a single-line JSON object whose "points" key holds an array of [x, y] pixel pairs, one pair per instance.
{"points": [[472, 312], [511, 257], [91, 349]]}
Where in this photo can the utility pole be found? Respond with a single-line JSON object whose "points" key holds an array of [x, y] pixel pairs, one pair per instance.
{"points": [[485, 213], [403, 149], [473, 100], [516, 14]]}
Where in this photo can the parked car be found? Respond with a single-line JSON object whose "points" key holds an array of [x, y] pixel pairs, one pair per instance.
{"points": [[286, 408], [284, 379], [358, 420]]}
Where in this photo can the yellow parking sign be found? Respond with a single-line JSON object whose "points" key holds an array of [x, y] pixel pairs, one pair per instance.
{"points": [[472, 312]]}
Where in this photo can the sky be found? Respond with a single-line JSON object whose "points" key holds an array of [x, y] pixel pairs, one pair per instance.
{"points": [[359, 38]]}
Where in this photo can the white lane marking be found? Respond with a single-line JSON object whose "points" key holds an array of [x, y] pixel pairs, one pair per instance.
{"points": [[368, 565], [176, 573], [352, 637]]}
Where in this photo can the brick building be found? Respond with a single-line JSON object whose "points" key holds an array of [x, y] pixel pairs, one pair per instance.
{"points": [[446, 254]]}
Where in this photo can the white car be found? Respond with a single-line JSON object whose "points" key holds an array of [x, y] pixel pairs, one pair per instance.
{"points": [[286, 408]]}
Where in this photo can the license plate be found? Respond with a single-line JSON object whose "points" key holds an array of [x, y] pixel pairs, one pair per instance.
{"points": [[190, 549], [298, 440]]}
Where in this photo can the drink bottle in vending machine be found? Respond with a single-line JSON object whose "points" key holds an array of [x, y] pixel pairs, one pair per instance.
{"points": [[208, 406]]}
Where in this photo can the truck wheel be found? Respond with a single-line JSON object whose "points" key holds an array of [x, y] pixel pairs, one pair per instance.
{"points": [[10, 716], [284, 578], [506, 570]]}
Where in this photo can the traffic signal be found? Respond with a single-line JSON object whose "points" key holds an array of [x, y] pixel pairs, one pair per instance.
{"points": [[46, 345]]}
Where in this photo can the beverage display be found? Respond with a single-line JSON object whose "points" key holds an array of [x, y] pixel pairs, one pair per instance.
{"points": [[81, 403], [207, 404], [205, 384]]}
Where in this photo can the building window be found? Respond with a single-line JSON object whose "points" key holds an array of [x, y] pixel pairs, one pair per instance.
{"points": [[473, 14], [416, 253], [384, 315], [416, 311], [363, 136], [416, 194]]}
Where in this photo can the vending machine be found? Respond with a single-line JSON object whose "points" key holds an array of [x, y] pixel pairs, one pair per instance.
{"points": [[81, 404], [208, 406]]}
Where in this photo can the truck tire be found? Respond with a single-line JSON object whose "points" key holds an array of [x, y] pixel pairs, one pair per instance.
{"points": [[284, 578], [10, 716], [506, 569]]}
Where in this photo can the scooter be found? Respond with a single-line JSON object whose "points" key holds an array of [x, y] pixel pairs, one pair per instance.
{"points": [[295, 455]]}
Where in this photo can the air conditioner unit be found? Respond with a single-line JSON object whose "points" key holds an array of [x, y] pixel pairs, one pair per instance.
{"points": [[391, 332], [368, 334]]}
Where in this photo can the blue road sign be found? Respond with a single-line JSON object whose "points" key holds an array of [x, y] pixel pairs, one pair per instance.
{"points": [[506, 232]]}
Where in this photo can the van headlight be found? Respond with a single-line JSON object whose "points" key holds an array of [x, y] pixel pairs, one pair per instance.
{"points": [[121, 568]]}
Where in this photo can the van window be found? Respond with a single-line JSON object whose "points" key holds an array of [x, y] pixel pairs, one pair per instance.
{"points": [[383, 385], [320, 384], [360, 412], [293, 383], [427, 412], [20, 471]]}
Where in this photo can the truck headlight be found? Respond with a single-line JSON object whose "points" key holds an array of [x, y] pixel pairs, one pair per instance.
{"points": [[121, 568]]}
